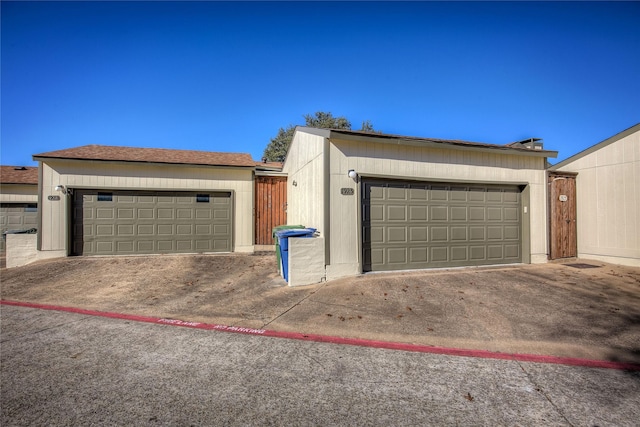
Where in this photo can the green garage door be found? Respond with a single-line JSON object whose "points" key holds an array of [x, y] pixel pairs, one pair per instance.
{"points": [[135, 222], [17, 217], [408, 225]]}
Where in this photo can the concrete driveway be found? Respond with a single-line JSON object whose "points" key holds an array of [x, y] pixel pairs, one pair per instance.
{"points": [[562, 309]]}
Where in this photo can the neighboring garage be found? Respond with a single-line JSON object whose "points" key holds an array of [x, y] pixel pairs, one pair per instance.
{"points": [[388, 202], [412, 224], [139, 222], [18, 199], [106, 200]]}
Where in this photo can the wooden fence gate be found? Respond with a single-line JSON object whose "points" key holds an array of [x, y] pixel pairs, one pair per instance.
{"points": [[271, 206], [562, 215]]}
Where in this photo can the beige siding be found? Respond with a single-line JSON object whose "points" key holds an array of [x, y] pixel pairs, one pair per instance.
{"points": [[305, 184], [138, 176], [608, 194], [18, 193], [410, 162]]}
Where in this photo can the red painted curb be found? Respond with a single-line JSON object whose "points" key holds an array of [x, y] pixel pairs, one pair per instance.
{"points": [[483, 354]]}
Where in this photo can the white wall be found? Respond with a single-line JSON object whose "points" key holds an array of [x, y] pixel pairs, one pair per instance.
{"points": [[608, 200], [139, 176]]}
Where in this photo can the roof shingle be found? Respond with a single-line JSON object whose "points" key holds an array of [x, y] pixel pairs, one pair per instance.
{"points": [[18, 175], [151, 155]]}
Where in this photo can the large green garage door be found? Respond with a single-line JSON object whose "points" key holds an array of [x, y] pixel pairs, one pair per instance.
{"points": [[135, 222], [409, 225], [17, 217]]}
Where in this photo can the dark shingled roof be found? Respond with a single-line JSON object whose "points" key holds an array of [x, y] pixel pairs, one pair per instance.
{"points": [[151, 155], [454, 142], [18, 175]]}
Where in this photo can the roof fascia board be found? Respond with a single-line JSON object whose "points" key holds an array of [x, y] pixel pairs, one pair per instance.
{"points": [[326, 133], [46, 159], [633, 129], [444, 145]]}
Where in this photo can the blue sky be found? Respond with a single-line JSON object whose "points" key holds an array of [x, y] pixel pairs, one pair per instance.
{"points": [[221, 76]]}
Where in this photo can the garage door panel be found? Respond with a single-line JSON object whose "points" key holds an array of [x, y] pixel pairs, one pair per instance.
{"points": [[495, 252], [439, 234], [511, 214], [397, 255], [144, 246], [396, 235], [477, 253], [459, 234], [203, 214], [125, 247], [165, 246], [418, 213], [184, 229], [104, 230], [439, 213], [476, 213], [150, 222], [126, 213], [512, 251], [165, 229], [444, 225], [146, 213], [145, 229], [459, 213], [420, 193], [17, 216], [105, 213], [184, 213], [418, 255], [477, 233], [221, 245], [164, 213], [459, 253], [418, 234], [439, 254], [494, 213]]}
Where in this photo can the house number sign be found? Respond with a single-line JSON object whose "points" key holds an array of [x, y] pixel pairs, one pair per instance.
{"points": [[53, 198], [563, 198], [347, 191]]}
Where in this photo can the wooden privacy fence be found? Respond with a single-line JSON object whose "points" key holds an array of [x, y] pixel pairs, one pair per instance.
{"points": [[271, 206]]}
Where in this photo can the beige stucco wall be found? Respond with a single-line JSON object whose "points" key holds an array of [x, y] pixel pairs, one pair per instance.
{"points": [[56, 215], [305, 167], [608, 201], [18, 193], [412, 162]]}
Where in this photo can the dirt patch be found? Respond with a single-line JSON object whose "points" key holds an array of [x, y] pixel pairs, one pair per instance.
{"points": [[197, 287], [541, 309]]}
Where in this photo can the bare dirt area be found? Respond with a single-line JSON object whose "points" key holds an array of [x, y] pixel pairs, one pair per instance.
{"points": [[554, 309], [194, 287]]}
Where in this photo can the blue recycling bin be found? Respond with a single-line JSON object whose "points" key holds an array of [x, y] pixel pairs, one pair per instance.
{"points": [[283, 242]]}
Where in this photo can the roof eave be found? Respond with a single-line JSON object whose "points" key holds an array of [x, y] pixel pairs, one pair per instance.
{"points": [[633, 129], [442, 144], [40, 158]]}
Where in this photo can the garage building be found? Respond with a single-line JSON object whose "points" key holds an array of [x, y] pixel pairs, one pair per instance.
{"points": [[107, 200], [607, 207], [18, 199], [387, 202]]}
